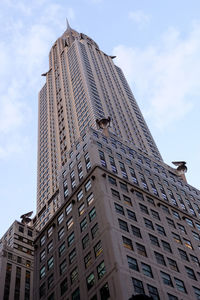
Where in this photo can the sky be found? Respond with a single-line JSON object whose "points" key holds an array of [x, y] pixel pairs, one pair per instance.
{"points": [[157, 44]]}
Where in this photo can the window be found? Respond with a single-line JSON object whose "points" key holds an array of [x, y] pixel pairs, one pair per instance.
{"points": [[182, 228], [101, 270], [83, 224], [88, 260], [196, 236], [92, 214], [150, 200], [180, 285], [63, 286], [143, 208], [197, 292], [123, 225], [42, 272], [187, 243], [127, 243], [136, 231], [138, 286], [166, 246], [68, 209], [42, 292], [98, 249], [155, 214], [50, 281], [76, 294], [42, 255], [74, 275], [88, 185], [50, 247], [154, 240], [94, 230], [166, 278], [112, 180], [80, 195], [172, 264], [42, 240], [60, 218], [148, 224], [194, 259], [104, 292], [81, 209], [61, 249], [90, 199], [85, 241], [131, 215], [49, 231], [176, 214], [146, 269], [127, 200], [90, 281], [50, 263], [61, 233], [153, 292], [141, 249], [70, 239], [139, 195], [190, 273], [160, 229], [123, 186], [183, 254], [170, 222], [160, 258], [69, 223], [189, 222], [165, 208], [63, 267], [115, 193], [177, 238], [72, 256], [119, 209], [132, 263]]}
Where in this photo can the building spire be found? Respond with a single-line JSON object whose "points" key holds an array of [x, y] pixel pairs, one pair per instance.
{"points": [[68, 26]]}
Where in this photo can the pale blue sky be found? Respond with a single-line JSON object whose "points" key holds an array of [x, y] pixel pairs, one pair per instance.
{"points": [[157, 44]]}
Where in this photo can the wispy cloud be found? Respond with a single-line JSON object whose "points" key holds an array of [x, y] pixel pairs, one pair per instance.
{"points": [[24, 47], [139, 17], [166, 75]]}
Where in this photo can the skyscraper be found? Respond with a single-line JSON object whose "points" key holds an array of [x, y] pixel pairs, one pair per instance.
{"points": [[125, 222], [82, 84]]}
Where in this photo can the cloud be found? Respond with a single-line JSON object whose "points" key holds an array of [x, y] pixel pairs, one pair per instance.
{"points": [[139, 17], [165, 75], [29, 30]]}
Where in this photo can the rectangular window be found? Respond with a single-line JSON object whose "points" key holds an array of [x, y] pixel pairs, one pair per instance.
{"points": [[154, 240], [148, 224], [160, 230], [160, 258], [85, 241], [83, 224], [98, 249], [143, 208], [123, 225], [180, 285], [127, 243], [127, 200], [112, 180], [63, 267], [72, 256], [119, 209], [104, 292], [123, 186], [190, 273], [60, 218], [115, 193], [153, 292], [42, 272], [94, 230], [166, 278], [90, 281], [146, 269], [50, 263], [63, 286], [170, 222], [101, 270], [138, 286], [88, 260], [155, 214], [70, 239], [50, 247], [61, 249], [68, 209], [136, 231], [88, 185], [183, 255], [172, 264], [69, 223], [61, 233], [90, 199], [131, 215], [141, 249], [166, 246], [92, 214], [81, 209], [79, 195], [74, 275], [132, 263], [177, 238]]}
